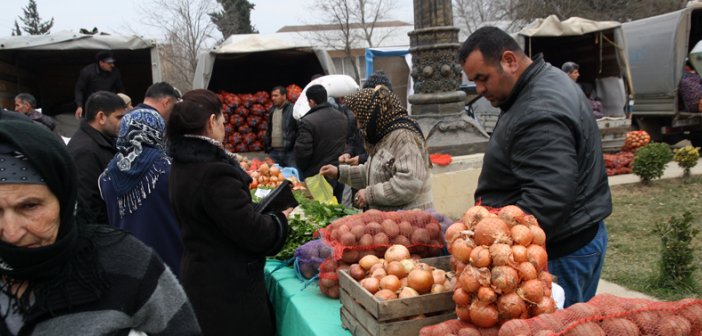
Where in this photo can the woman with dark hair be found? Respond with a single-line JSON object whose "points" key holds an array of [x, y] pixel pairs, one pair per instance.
{"points": [[225, 240], [57, 278], [396, 175]]}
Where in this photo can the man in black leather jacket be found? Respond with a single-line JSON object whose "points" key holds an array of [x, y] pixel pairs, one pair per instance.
{"points": [[544, 156]]}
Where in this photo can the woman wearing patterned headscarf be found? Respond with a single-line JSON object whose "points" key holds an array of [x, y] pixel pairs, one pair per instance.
{"points": [[396, 175], [135, 186], [58, 278]]}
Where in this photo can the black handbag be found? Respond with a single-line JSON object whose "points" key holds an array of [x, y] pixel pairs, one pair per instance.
{"points": [[278, 200]]}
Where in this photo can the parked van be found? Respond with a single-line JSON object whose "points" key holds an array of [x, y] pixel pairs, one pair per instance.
{"points": [[657, 47]]}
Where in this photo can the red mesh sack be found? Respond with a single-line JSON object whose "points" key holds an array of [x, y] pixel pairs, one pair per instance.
{"points": [[247, 99], [261, 97], [328, 279], [457, 327], [373, 231], [294, 92], [635, 140], [619, 163]]}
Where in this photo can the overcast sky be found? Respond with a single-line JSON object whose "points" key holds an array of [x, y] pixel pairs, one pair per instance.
{"points": [[117, 16]]}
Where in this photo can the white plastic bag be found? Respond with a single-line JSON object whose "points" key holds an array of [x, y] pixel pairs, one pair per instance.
{"points": [[336, 85]]}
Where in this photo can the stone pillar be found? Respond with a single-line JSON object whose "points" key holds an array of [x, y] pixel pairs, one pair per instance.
{"points": [[437, 104]]}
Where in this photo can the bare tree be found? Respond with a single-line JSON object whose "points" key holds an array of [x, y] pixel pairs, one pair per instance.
{"points": [[187, 31], [617, 10], [352, 24], [472, 14]]}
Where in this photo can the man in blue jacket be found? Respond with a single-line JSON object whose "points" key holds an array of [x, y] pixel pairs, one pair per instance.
{"points": [[544, 156]]}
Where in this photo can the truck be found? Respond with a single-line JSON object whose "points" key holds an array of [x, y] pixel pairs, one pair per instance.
{"points": [[47, 66], [657, 47], [599, 48]]}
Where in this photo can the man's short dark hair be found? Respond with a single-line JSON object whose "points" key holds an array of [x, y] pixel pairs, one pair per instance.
{"points": [[162, 89], [27, 98], [280, 89], [104, 101], [491, 42], [317, 93]]}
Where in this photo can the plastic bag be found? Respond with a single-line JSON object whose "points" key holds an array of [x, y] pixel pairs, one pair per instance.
{"points": [[320, 189]]}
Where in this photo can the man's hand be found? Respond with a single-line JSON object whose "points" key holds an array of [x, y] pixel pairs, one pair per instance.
{"points": [[79, 113], [347, 159], [329, 171], [360, 199]]}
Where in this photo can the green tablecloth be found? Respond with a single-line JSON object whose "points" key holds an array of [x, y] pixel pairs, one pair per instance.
{"points": [[301, 312]]}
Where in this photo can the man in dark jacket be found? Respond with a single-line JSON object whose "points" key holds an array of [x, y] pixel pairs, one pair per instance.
{"points": [[544, 156], [26, 104], [99, 76], [282, 129], [321, 136], [92, 147]]}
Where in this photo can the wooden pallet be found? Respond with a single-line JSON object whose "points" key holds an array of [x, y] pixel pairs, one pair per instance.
{"points": [[613, 133], [364, 315]]}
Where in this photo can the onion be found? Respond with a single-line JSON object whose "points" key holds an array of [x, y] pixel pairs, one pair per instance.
{"points": [[586, 329], [453, 231], [406, 229], [531, 291], [469, 279], [501, 255], [395, 268], [461, 249], [434, 230], [546, 278], [401, 240], [468, 330], [420, 280], [390, 282], [511, 306], [390, 228], [511, 214], [516, 327], [397, 253], [381, 239], [536, 255], [527, 271], [619, 326], [486, 294], [646, 320], [474, 215], [347, 239], [366, 240], [480, 257], [357, 272], [546, 306], [368, 261], [483, 314], [504, 279], [439, 276], [529, 220], [408, 292], [437, 288], [373, 228], [463, 313], [490, 230], [408, 264], [538, 235], [456, 265], [350, 256], [521, 234], [420, 236], [385, 295], [371, 284], [674, 325], [582, 310], [519, 253], [461, 297]]}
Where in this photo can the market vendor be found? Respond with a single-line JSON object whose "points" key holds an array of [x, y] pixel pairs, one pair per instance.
{"points": [[397, 173]]}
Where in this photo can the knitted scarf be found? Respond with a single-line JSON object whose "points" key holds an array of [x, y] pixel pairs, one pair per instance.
{"points": [[132, 171], [66, 273]]}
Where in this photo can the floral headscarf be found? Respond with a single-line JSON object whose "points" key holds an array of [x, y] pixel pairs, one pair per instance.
{"points": [[379, 112]]}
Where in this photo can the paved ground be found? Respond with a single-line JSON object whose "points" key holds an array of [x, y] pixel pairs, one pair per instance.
{"points": [[672, 171]]}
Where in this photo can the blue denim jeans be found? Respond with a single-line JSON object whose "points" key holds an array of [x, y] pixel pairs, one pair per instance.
{"points": [[284, 159], [579, 272]]}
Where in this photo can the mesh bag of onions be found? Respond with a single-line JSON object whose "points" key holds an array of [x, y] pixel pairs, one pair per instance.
{"points": [[328, 278], [500, 259], [605, 314], [309, 257], [372, 232]]}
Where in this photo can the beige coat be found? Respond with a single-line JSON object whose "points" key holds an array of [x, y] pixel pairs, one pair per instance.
{"points": [[395, 177]]}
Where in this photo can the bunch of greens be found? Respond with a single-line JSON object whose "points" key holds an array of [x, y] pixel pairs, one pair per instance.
{"points": [[315, 216]]}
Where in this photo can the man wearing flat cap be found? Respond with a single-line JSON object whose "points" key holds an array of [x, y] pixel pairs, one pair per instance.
{"points": [[99, 76]]}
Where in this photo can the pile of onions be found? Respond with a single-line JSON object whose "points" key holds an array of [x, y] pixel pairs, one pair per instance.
{"points": [[397, 275], [500, 259]]}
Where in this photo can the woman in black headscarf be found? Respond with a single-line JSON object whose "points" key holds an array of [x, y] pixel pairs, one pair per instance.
{"points": [[59, 279], [397, 173]]}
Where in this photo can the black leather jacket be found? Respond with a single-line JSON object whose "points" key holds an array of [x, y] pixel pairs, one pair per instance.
{"points": [[545, 156]]}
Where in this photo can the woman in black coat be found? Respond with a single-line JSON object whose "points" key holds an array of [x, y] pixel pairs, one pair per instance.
{"points": [[225, 240]]}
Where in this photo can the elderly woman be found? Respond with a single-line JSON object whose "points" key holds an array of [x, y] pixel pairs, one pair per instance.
{"points": [[60, 279], [396, 175], [225, 239], [135, 186]]}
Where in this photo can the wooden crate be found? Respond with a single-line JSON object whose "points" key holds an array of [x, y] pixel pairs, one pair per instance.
{"points": [[364, 315], [613, 132]]}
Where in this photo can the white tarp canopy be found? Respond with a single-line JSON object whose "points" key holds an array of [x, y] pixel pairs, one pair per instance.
{"points": [[574, 26], [246, 43], [67, 40]]}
